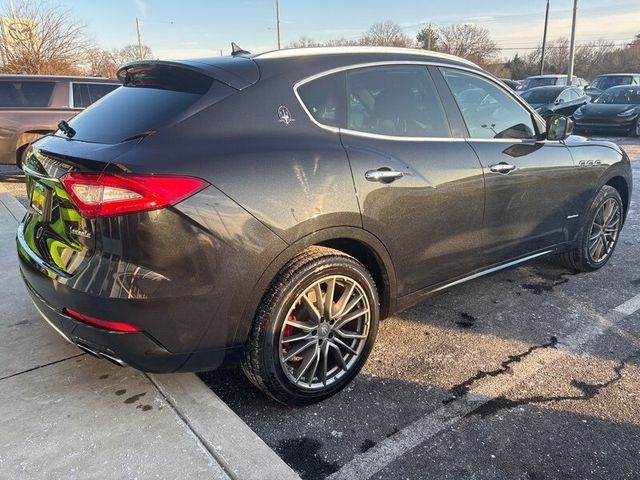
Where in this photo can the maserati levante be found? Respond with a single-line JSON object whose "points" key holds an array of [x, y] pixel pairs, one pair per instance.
{"points": [[270, 210]]}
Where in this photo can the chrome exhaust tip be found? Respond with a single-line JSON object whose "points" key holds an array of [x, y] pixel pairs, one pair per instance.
{"points": [[101, 355]]}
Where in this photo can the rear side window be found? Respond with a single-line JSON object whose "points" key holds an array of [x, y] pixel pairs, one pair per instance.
{"points": [[488, 110], [144, 104], [395, 100], [84, 94], [25, 94], [324, 99]]}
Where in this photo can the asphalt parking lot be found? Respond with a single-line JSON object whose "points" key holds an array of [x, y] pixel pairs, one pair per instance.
{"points": [[531, 373]]}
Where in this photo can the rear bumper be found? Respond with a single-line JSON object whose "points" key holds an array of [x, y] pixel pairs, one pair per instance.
{"points": [[175, 273], [139, 350]]}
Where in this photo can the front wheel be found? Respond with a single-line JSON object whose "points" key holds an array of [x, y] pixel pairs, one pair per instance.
{"points": [[599, 234], [314, 329], [635, 131]]}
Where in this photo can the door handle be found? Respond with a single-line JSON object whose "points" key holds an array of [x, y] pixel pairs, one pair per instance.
{"points": [[384, 175], [502, 168]]}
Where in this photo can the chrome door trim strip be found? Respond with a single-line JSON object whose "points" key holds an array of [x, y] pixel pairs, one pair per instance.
{"points": [[491, 270]]}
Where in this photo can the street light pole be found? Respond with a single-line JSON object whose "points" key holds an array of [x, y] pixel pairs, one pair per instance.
{"points": [[278, 21], [139, 39], [572, 46], [544, 38]]}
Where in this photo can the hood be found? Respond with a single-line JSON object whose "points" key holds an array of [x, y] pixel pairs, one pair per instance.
{"points": [[604, 109]]}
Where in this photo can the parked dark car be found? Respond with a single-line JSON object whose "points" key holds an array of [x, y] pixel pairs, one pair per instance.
{"points": [[548, 80], [549, 101], [616, 110], [512, 84], [32, 105], [604, 82], [271, 209]]}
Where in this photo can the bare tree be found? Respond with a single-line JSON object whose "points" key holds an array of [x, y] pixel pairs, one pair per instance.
{"points": [[41, 39], [386, 34], [428, 38], [101, 63], [304, 42], [468, 41], [129, 53]]}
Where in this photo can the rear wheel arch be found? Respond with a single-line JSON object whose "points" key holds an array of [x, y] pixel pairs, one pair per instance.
{"points": [[356, 242], [24, 140]]}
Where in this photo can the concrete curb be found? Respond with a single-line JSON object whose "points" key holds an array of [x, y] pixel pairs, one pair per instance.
{"points": [[232, 443], [238, 450], [15, 208]]}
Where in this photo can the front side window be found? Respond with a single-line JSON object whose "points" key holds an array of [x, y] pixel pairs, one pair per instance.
{"points": [[397, 101], [84, 94], [25, 94], [488, 111]]}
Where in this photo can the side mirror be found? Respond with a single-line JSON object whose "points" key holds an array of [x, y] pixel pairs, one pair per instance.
{"points": [[559, 127]]}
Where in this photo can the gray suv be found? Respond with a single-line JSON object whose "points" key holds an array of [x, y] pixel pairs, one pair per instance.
{"points": [[32, 105]]}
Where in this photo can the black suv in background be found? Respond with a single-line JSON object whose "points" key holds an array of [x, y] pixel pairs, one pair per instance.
{"points": [[271, 209], [32, 105], [604, 82]]}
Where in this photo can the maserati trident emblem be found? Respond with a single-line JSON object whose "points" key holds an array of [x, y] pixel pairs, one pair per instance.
{"points": [[285, 115]]}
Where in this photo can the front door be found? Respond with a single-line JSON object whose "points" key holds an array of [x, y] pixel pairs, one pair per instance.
{"points": [[528, 181]]}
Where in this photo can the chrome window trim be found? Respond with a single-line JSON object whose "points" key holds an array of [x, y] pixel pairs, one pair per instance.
{"points": [[347, 131]]}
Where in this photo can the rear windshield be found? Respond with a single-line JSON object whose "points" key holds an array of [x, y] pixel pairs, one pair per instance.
{"points": [[539, 82], [603, 83], [25, 94], [541, 95], [142, 105]]}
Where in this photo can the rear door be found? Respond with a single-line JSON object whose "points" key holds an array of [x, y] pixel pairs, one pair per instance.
{"points": [[421, 190], [528, 181]]}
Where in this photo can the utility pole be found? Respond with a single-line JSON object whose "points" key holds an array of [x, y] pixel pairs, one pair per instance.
{"points": [[139, 39], [278, 21], [572, 46], [544, 38], [429, 35]]}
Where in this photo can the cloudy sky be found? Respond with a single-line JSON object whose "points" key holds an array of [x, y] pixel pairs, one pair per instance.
{"points": [[188, 28]]}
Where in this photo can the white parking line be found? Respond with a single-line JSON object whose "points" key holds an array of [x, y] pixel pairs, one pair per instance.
{"points": [[369, 463], [630, 306]]}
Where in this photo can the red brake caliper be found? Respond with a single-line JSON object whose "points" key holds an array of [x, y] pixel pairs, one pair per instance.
{"points": [[288, 331]]}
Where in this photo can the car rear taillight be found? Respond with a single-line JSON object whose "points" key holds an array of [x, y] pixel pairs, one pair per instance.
{"points": [[104, 194], [106, 324]]}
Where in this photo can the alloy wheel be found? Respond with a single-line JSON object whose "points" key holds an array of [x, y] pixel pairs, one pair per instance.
{"points": [[324, 332], [604, 230]]}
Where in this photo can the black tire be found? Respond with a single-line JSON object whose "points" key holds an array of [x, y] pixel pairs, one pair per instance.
{"points": [[579, 259], [635, 131], [21, 155], [262, 359]]}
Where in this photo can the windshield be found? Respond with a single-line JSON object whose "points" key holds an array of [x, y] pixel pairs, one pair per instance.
{"points": [[603, 83], [540, 95], [620, 96], [539, 82]]}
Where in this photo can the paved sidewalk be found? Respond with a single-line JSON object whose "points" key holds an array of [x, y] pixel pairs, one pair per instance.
{"points": [[65, 414]]}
